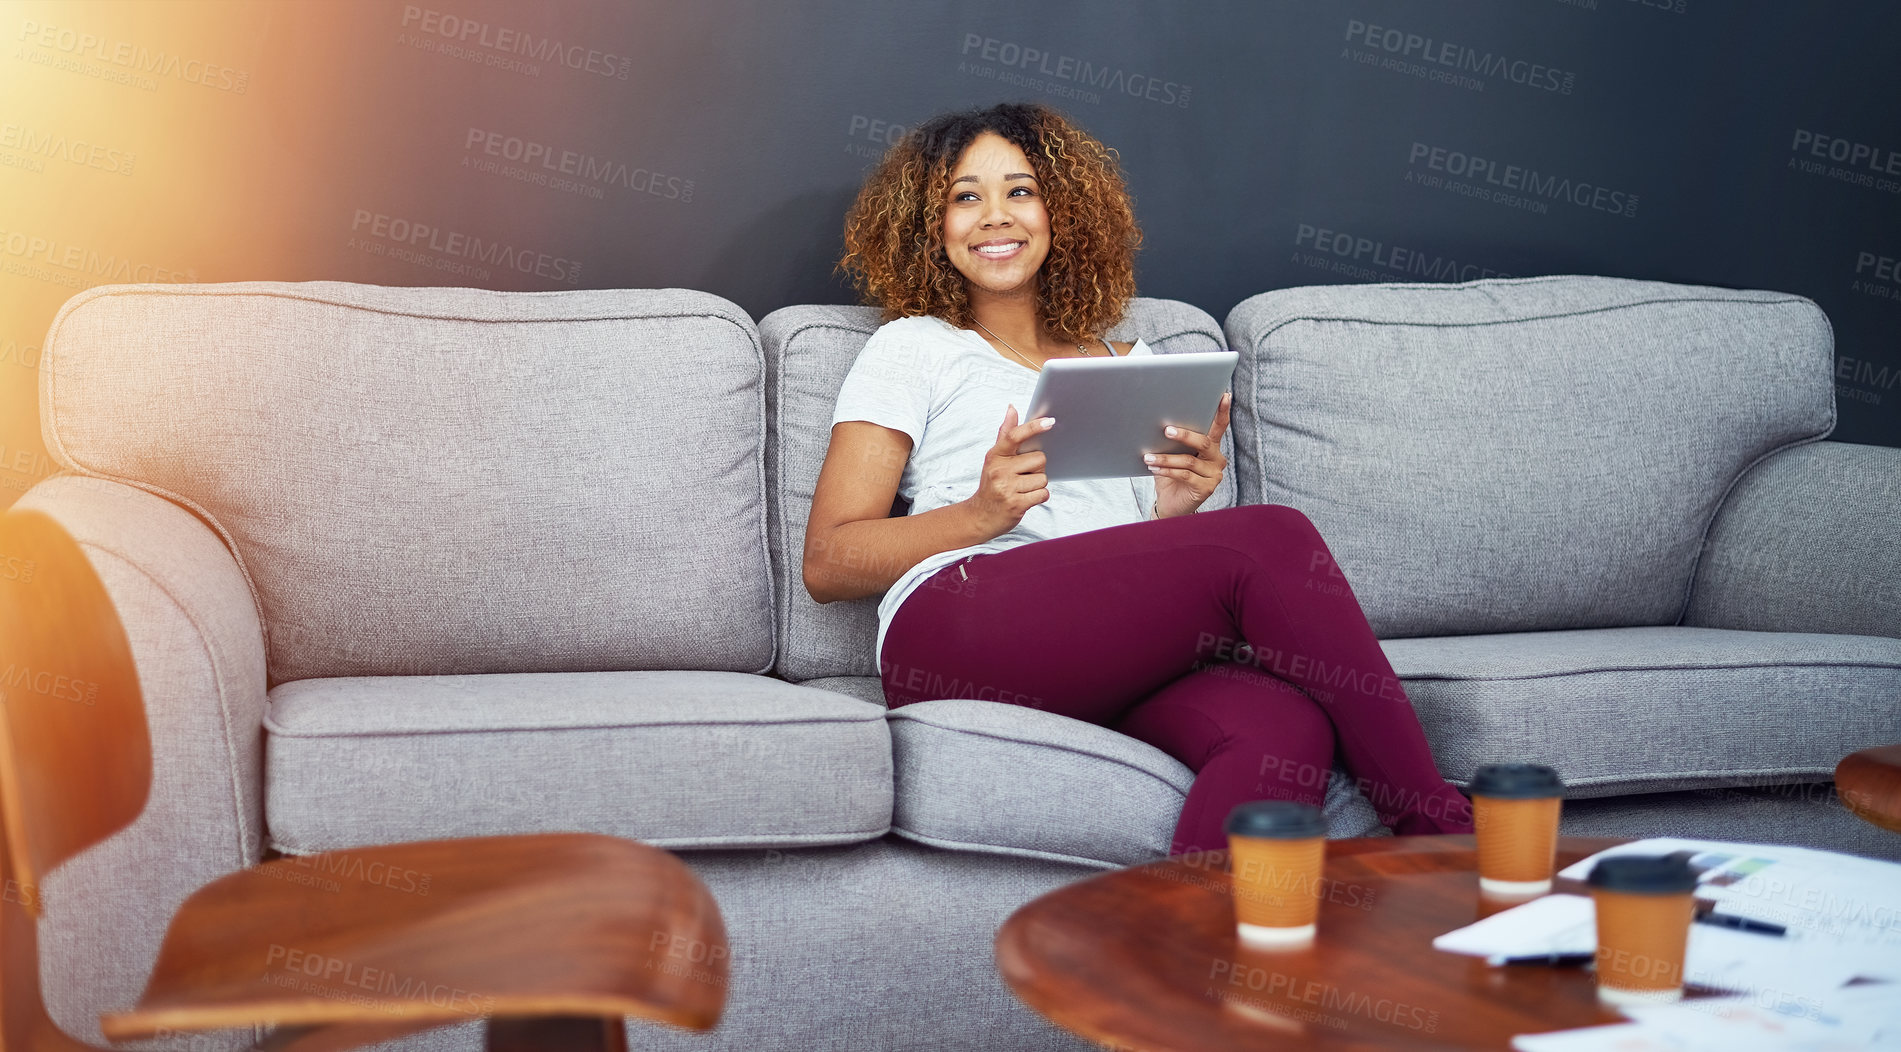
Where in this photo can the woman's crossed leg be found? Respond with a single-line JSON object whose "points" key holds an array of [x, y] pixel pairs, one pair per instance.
{"points": [[1244, 739], [1210, 617]]}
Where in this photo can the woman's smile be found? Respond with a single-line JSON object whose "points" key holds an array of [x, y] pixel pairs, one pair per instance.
{"points": [[996, 227], [998, 249]]}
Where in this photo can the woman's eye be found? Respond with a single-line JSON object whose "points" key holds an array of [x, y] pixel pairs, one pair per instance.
{"points": [[1025, 189], [965, 195]]}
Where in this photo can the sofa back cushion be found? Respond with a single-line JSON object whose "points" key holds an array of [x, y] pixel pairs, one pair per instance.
{"points": [[809, 349], [443, 480], [1515, 455]]}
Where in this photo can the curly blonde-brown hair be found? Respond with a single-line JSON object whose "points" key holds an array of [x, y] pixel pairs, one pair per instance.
{"points": [[894, 232]]}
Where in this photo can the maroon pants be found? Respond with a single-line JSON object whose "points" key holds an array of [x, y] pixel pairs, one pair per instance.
{"points": [[1228, 639]]}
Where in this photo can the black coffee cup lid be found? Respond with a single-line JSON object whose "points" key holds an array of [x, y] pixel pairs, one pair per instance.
{"points": [[1516, 781], [1646, 874], [1276, 819]]}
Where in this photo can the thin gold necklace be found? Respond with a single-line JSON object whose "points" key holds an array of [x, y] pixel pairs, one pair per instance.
{"points": [[1013, 350]]}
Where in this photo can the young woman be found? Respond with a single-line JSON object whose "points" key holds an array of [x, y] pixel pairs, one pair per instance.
{"points": [[996, 240]]}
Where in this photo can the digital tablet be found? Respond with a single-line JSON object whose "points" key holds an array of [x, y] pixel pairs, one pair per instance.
{"points": [[1110, 411]]}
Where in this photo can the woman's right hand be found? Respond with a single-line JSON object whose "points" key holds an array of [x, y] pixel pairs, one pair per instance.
{"points": [[1012, 482]]}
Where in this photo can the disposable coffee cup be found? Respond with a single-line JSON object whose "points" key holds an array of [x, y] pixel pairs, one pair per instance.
{"points": [[1276, 848], [1515, 809], [1644, 908]]}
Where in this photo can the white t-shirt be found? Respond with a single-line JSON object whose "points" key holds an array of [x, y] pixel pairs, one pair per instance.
{"points": [[947, 389]]}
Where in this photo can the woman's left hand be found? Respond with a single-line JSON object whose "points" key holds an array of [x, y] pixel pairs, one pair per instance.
{"points": [[1183, 480]]}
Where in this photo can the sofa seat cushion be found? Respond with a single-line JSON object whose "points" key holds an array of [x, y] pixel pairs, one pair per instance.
{"points": [[1805, 814], [676, 759], [1640, 710], [1005, 779]]}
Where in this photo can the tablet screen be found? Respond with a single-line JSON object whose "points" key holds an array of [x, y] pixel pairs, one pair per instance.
{"points": [[1111, 411]]}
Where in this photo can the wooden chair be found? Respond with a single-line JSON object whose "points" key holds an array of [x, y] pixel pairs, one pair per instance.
{"points": [[550, 938]]}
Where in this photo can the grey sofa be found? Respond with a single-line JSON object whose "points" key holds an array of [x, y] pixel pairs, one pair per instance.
{"points": [[401, 563]]}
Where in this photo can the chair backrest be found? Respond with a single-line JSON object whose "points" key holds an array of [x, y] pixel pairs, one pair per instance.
{"points": [[1525, 454], [809, 349], [422, 481], [75, 753]]}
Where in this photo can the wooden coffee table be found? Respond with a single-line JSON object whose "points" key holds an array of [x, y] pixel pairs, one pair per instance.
{"points": [[1869, 782], [1146, 958]]}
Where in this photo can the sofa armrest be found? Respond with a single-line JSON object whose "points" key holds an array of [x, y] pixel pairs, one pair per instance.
{"points": [[195, 634], [1807, 541]]}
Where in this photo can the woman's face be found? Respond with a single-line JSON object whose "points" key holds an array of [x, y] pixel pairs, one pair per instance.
{"points": [[996, 231]]}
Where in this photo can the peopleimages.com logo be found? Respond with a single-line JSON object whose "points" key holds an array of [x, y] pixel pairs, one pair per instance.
{"points": [[545, 162], [1503, 182], [136, 65], [1675, 7], [428, 245], [1067, 76], [877, 134], [39, 145], [34, 464], [1409, 48], [1862, 380], [502, 40], [1854, 162], [1343, 253], [75, 266], [1875, 275]]}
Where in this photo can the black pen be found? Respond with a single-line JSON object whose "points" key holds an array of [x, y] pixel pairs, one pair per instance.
{"points": [[1727, 920], [1546, 958]]}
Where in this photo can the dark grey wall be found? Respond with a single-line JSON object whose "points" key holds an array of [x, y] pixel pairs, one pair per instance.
{"points": [[716, 144], [1746, 144]]}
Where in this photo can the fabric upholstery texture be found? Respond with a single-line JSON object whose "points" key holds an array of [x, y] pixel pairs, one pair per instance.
{"points": [[200, 654], [872, 920], [1808, 541], [987, 776], [809, 349], [864, 688], [675, 759], [1522, 454], [1808, 813], [442, 480], [886, 945], [1639, 710], [395, 487]]}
